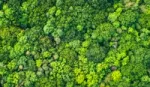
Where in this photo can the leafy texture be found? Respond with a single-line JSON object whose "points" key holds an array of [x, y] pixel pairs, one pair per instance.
{"points": [[74, 43]]}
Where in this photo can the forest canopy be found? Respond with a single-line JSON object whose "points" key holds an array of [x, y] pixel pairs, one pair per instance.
{"points": [[74, 43]]}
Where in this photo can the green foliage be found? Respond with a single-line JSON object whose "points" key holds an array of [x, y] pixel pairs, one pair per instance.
{"points": [[95, 53], [116, 75], [80, 78], [113, 16], [128, 17], [69, 55], [69, 43], [38, 63], [92, 79], [103, 32], [46, 54], [144, 22]]}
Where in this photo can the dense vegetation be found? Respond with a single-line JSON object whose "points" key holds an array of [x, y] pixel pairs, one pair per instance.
{"points": [[75, 43]]}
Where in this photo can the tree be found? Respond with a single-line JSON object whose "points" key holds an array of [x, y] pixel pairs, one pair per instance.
{"points": [[95, 53], [128, 17], [116, 75], [68, 54], [103, 32]]}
